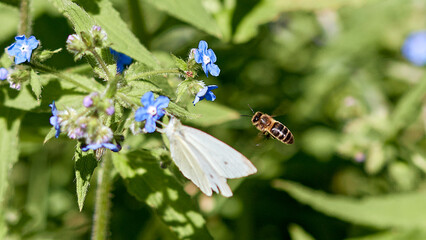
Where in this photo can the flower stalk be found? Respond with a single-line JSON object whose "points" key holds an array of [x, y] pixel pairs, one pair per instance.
{"points": [[102, 202]]}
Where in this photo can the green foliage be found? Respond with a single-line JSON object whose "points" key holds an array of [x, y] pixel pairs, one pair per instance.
{"points": [[85, 164], [331, 71], [158, 188]]}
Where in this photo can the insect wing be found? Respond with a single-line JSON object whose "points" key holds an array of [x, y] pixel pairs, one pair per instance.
{"points": [[226, 161], [186, 160]]}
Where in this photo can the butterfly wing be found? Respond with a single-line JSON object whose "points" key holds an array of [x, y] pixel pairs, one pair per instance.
{"points": [[186, 160], [205, 160], [226, 161]]}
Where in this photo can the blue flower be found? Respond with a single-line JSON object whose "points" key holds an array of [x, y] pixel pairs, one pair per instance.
{"points": [[207, 58], [112, 147], [414, 48], [205, 93], [22, 48], [54, 121], [151, 110], [3, 74], [122, 60]]}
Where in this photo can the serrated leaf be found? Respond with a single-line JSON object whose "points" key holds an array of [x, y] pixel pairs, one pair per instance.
{"points": [[190, 11], [181, 64], [181, 112], [85, 164], [35, 84], [211, 113], [10, 122], [157, 188], [109, 19], [403, 210]]}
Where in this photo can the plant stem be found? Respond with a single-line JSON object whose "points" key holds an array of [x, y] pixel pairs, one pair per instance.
{"points": [[155, 72], [102, 202], [46, 69], [25, 18], [103, 65]]}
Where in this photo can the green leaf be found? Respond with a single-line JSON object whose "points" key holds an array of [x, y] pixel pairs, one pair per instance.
{"points": [[35, 84], [22, 99], [46, 54], [85, 164], [268, 10], [405, 210], [102, 13], [50, 135], [10, 122], [190, 11], [297, 233], [395, 234], [156, 187], [181, 64], [408, 107], [212, 113]]}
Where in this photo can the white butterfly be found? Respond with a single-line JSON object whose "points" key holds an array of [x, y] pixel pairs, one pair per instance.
{"points": [[204, 159]]}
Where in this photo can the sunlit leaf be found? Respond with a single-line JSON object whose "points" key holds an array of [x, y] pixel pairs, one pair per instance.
{"points": [[403, 210], [156, 187], [85, 164]]}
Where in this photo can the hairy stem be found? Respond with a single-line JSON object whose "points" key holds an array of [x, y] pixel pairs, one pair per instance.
{"points": [[102, 64], [102, 203], [153, 73], [25, 18]]}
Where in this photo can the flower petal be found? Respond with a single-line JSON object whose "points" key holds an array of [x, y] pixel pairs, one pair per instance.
{"points": [[213, 69], [197, 99], [86, 148], [202, 46], [141, 114], [110, 146], [211, 55], [147, 99], [150, 125], [198, 56], [202, 92], [33, 42], [210, 96], [161, 102], [20, 37], [204, 66]]}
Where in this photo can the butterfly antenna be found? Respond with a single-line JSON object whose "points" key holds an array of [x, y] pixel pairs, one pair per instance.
{"points": [[245, 115], [250, 108]]}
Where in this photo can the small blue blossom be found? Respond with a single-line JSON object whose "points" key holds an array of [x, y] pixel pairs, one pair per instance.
{"points": [[22, 48], [414, 48], [3, 74], [112, 147], [54, 121], [205, 93], [122, 60], [151, 111], [207, 58]]}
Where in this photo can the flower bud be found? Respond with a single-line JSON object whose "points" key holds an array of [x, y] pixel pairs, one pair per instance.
{"points": [[3, 74], [99, 36], [75, 45]]}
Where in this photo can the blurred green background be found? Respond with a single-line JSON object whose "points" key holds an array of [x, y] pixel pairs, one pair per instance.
{"points": [[331, 71]]}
